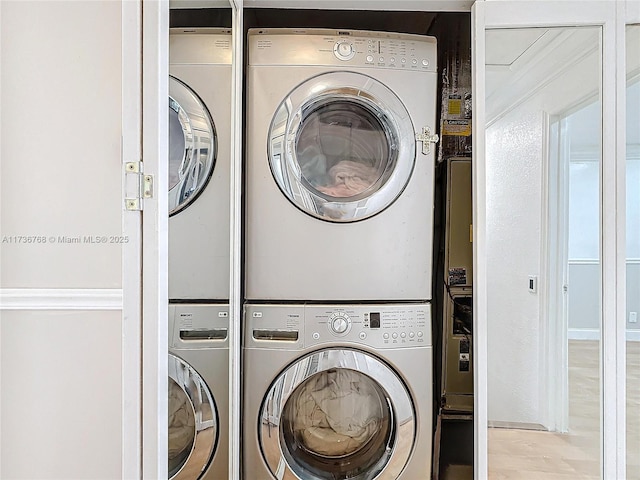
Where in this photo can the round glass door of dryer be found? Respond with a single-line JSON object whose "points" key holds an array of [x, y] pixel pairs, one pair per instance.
{"points": [[193, 424], [342, 147], [337, 414], [192, 146]]}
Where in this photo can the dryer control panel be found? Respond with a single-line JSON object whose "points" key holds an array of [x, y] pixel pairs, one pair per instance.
{"points": [[353, 48], [303, 326]]}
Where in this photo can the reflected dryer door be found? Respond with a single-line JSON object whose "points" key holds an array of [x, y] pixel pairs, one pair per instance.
{"points": [[337, 414], [193, 422], [192, 146], [342, 146]]}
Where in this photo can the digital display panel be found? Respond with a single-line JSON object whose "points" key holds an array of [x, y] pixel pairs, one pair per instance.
{"points": [[374, 320]]}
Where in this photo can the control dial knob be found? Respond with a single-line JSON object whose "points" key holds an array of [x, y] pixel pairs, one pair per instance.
{"points": [[344, 50], [339, 323]]}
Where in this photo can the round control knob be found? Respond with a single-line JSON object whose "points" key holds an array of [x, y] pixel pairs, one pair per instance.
{"points": [[316, 335], [394, 335], [411, 334], [420, 334], [385, 336], [369, 58], [340, 324], [403, 335], [344, 50]]}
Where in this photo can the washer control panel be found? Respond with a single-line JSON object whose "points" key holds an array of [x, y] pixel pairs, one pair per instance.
{"points": [[302, 326], [198, 326], [382, 326], [353, 48]]}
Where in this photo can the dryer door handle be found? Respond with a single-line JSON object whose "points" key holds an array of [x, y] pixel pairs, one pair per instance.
{"points": [[427, 138]]}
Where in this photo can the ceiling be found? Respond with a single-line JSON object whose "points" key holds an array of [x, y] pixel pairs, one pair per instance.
{"points": [[559, 66]]}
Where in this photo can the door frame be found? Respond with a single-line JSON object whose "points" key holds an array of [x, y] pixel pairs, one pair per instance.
{"points": [[131, 251], [553, 302], [155, 227], [498, 13], [235, 267]]}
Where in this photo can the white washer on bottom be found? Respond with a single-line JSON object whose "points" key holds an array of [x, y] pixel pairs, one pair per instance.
{"points": [[198, 391], [335, 392]]}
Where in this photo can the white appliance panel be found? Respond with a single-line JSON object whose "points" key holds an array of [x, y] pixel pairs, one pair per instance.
{"points": [[292, 256], [199, 234]]}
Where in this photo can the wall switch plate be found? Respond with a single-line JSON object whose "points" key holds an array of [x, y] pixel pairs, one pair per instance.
{"points": [[533, 283], [633, 317]]}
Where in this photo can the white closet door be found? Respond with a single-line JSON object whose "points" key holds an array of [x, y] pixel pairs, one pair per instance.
{"points": [[523, 52], [70, 288]]}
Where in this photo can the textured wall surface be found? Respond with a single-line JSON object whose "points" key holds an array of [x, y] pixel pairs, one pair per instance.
{"points": [[514, 169]]}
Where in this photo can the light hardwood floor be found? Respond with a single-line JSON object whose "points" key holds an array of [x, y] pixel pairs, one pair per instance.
{"points": [[528, 455]]}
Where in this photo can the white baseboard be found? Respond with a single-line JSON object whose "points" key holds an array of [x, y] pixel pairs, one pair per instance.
{"points": [[594, 334], [60, 299], [516, 425]]}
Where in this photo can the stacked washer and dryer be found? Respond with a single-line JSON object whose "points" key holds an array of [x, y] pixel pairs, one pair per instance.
{"points": [[338, 254], [199, 166]]}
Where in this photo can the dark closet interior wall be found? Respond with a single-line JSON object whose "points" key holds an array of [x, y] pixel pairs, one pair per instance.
{"points": [[200, 17], [387, 21]]}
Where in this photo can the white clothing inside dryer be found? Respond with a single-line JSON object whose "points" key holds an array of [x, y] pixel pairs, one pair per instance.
{"points": [[349, 178], [337, 412]]}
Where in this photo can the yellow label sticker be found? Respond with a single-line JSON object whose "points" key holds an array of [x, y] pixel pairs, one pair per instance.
{"points": [[457, 128], [455, 105]]}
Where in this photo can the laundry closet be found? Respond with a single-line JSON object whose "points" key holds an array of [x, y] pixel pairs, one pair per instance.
{"points": [[388, 240]]}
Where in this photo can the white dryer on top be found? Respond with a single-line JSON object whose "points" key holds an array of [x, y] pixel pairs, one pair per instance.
{"points": [[199, 163], [339, 165]]}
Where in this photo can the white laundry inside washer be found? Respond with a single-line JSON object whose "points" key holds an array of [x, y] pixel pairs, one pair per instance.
{"points": [[336, 412]]}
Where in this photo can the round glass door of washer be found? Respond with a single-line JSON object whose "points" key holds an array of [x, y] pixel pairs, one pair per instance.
{"points": [[193, 424], [192, 146], [339, 414], [342, 146]]}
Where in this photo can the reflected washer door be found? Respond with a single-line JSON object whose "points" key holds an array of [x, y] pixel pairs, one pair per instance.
{"points": [[342, 146], [193, 422], [337, 414], [192, 146]]}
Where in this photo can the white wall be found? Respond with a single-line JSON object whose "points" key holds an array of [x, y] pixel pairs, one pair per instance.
{"points": [[584, 205], [60, 330], [514, 179], [61, 403]]}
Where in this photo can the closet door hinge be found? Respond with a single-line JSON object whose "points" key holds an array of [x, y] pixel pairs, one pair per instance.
{"points": [[137, 186]]}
